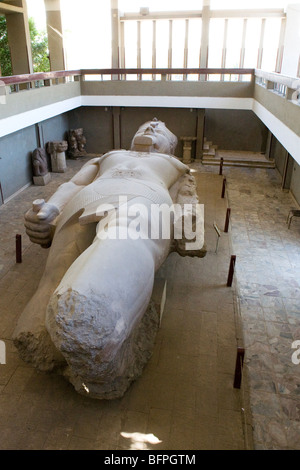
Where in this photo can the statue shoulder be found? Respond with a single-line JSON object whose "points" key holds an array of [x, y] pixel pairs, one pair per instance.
{"points": [[88, 172], [93, 161]]}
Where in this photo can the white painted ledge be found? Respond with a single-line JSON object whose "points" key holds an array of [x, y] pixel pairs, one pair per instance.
{"points": [[20, 121], [288, 138], [168, 101], [284, 134]]}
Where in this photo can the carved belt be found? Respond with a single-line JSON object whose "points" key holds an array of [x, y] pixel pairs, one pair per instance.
{"points": [[107, 191]]}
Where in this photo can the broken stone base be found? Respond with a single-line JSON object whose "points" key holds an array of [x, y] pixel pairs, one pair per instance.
{"points": [[42, 180], [98, 379]]}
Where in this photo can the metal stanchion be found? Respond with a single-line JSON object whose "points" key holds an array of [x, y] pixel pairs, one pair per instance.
{"points": [[221, 166], [18, 248], [223, 188], [231, 270], [227, 220], [238, 367]]}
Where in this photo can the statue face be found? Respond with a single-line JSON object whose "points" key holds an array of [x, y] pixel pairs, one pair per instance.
{"points": [[156, 137], [149, 131], [78, 132], [62, 147]]}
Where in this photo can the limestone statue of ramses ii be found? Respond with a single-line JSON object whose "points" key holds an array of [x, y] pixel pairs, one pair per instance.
{"points": [[91, 316]]}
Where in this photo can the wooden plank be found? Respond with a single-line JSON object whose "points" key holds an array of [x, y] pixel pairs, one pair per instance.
{"points": [[14, 79], [239, 13], [159, 15], [31, 77], [177, 71], [251, 13]]}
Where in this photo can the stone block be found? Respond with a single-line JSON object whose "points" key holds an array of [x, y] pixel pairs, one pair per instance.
{"points": [[42, 180]]}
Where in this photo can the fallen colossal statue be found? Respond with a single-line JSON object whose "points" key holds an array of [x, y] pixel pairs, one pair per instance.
{"points": [[91, 317]]}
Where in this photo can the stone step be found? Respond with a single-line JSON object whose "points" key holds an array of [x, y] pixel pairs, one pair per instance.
{"points": [[236, 162], [208, 145], [210, 152]]}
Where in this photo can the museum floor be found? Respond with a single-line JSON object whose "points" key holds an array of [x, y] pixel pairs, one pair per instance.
{"points": [[185, 399]]}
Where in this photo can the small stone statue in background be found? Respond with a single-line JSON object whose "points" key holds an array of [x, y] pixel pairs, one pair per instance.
{"points": [[77, 143], [41, 175], [58, 157]]}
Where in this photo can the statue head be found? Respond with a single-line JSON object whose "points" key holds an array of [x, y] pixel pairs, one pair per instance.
{"points": [[57, 146], [154, 136]]}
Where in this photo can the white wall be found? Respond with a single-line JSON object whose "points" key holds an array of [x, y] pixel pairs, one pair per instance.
{"points": [[292, 41]]}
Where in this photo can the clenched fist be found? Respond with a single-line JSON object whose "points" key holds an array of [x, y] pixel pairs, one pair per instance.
{"points": [[38, 222]]}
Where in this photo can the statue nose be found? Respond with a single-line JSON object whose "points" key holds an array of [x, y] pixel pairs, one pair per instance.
{"points": [[149, 129]]}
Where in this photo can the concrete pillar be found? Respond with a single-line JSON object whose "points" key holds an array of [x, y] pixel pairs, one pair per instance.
{"points": [[281, 46], [187, 148], [115, 34], [19, 39], [291, 51], [55, 35], [287, 171], [200, 134], [205, 35], [269, 145], [261, 43], [117, 127]]}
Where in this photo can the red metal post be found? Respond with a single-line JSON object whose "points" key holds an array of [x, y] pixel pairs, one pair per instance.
{"points": [[223, 188], [231, 270], [227, 220], [18, 248], [238, 367], [221, 166]]}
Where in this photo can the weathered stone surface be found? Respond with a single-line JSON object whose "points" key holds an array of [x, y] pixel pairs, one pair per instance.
{"points": [[76, 143], [41, 175], [95, 369], [42, 180], [92, 316], [58, 157], [39, 162]]}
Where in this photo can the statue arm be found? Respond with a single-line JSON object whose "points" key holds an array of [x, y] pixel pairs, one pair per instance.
{"points": [[40, 226], [68, 190]]}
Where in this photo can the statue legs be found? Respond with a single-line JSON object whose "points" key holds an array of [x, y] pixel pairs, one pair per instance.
{"points": [[30, 335], [100, 316], [92, 314]]}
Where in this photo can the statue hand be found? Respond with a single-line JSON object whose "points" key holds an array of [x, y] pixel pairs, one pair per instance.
{"points": [[38, 224], [48, 212]]}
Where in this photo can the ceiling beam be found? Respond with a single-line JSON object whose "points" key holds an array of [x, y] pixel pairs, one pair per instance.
{"points": [[6, 8]]}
